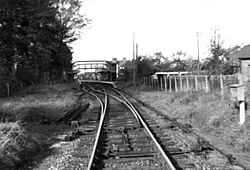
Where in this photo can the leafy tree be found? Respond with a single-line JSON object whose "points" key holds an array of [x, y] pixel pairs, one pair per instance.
{"points": [[35, 37], [215, 63], [162, 63], [146, 66], [219, 61], [178, 63], [70, 18], [191, 65]]}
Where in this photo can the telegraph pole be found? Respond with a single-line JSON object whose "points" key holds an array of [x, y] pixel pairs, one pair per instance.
{"points": [[198, 50], [136, 56], [134, 60]]}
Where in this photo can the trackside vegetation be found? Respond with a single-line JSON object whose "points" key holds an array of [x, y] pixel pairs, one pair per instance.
{"points": [[34, 41]]}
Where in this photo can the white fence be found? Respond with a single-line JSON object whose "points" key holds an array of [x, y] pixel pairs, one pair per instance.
{"points": [[175, 83]]}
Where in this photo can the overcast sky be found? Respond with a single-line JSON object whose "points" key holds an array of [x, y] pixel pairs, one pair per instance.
{"points": [[160, 25]]}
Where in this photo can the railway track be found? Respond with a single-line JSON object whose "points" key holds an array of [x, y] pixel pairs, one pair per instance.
{"points": [[126, 139]]}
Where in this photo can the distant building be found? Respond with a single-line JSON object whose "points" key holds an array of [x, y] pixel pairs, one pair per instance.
{"points": [[241, 58], [122, 63]]}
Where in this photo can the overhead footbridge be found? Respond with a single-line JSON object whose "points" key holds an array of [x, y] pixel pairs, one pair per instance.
{"points": [[95, 70]]}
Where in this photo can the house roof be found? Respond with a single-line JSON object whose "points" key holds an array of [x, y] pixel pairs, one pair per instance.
{"points": [[243, 53]]}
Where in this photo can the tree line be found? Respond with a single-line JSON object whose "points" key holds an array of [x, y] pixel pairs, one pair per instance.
{"points": [[218, 62], [34, 39]]}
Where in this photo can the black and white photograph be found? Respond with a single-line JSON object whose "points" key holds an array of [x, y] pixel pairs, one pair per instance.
{"points": [[124, 85]]}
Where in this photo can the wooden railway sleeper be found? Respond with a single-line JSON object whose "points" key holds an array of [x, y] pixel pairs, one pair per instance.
{"points": [[126, 139], [115, 148], [133, 154], [136, 148], [125, 162]]}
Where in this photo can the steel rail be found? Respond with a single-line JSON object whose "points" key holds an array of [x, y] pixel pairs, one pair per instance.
{"points": [[141, 121], [103, 112], [170, 164], [120, 100], [98, 99]]}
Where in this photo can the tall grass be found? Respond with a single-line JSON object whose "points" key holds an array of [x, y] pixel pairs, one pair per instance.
{"points": [[22, 134], [15, 145]]}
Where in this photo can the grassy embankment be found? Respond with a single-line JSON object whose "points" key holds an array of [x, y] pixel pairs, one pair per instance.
{"points": [[211, 116], [26, 121]]}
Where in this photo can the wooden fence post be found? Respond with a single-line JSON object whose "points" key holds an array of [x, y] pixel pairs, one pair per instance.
{"points": [[187, 83], [165, 82], [170, 85], [242, 112], [175, 84], [206, 80], [196, 82], [161, 80], [159, 83], [156, 84], [221, 85], [181, 83], [211, 83]]}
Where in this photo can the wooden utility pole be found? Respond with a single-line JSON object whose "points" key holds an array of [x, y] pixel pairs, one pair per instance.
{"points": [[136, 57], [133, 61], [198, 51]]}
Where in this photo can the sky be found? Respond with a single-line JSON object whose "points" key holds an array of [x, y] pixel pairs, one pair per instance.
{"points": [[160, 25]]}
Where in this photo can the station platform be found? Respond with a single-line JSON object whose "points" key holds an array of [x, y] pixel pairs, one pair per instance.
{"points": [[97, 82]]}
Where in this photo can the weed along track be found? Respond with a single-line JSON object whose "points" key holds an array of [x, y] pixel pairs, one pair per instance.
{"points": [[128, 138]]}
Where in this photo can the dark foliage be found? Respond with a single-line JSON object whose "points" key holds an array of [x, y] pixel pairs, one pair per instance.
{"points": [[34, 37]]}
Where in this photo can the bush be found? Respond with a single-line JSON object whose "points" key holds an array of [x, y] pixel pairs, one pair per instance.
{"points": [[16, 146]]}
